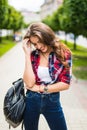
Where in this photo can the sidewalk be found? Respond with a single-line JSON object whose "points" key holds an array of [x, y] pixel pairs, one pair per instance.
{"points": [[74, 100]]}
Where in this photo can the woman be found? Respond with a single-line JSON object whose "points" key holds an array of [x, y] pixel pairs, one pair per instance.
{"points": [[46, 73]]}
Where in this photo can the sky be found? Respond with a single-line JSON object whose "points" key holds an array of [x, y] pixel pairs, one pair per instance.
{"points": [[31, 5]]}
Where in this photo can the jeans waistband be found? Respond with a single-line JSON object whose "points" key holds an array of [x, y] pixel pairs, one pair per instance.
{"points": [[43, 93]]}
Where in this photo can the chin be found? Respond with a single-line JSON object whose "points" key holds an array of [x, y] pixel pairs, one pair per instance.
{"points": [[44, 51]]}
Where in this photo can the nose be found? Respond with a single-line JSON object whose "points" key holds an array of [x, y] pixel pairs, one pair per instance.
{"points": [[39, 47]]}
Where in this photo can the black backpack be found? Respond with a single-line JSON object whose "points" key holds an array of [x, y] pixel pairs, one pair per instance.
{"points": [[14, 104]]}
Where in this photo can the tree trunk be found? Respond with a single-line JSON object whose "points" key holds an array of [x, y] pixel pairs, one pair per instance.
{"points": [[74, 46], [65, 38], [0, 36], [7, 37]]}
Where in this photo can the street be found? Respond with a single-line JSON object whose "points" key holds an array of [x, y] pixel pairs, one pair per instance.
{"points": [[74, 100]]}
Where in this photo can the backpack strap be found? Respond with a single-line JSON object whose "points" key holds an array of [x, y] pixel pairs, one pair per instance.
{"points": [[22, 125], [9, 126]]}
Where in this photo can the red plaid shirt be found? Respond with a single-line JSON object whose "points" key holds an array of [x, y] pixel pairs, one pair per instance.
{"points": [[58, 72]]}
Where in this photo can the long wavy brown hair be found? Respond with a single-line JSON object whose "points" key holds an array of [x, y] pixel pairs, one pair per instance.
{"points": [[48, 37]]}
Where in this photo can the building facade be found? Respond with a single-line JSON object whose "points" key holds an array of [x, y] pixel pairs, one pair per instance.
{"points": [[30, 16], [49, 7]]}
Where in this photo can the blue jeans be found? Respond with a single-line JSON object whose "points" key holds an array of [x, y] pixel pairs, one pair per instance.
{"points": [[46, 104]]}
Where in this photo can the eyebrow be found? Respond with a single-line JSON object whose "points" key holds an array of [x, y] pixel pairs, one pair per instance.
{"points": [[33, 42]]}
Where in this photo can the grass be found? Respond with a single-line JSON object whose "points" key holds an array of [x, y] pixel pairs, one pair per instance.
{"points": [[5, 46], [79, 61], [80, 67]]}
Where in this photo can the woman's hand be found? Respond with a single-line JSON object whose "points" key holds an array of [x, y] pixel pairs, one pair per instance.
{"points": [[27, 46], [35, 88]]}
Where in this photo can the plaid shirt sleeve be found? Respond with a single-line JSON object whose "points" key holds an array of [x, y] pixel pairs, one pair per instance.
{"points": [[65, 75]]}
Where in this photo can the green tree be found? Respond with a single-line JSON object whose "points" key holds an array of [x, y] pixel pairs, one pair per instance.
{"points": [[3, 16], [64, 21], [47, 20], [15, 19], [76, 11], [52, 21], [55, 21]]}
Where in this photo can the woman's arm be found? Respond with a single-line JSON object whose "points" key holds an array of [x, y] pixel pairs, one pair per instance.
{"points": [[56, 87], [28, 76]]}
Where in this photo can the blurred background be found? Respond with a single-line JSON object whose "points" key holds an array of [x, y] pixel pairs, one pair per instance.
{"points": [[68, 19]]}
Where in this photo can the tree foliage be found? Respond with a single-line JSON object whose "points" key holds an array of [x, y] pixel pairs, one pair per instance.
{"points": [[15, 19], [52, 21], [70, 17], [10, 18], [76, 11], [3, 11]]}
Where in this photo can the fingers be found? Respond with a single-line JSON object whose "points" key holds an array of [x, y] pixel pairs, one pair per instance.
{"points": [[26, 46], [26, 41]]}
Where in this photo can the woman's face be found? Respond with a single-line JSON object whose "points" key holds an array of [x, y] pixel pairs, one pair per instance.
{"points": [[38, 45]]}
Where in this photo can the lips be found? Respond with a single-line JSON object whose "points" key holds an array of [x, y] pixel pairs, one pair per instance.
{"points": [[42, 49]]}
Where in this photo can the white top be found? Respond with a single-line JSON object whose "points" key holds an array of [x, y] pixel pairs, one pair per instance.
{"points": [[43, 74]]}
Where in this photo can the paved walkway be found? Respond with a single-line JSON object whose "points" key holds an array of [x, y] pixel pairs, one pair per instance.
{"points": [[74, 100]]}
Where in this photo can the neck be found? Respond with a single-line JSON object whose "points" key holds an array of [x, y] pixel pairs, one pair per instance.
{"points": [[45, 55]]}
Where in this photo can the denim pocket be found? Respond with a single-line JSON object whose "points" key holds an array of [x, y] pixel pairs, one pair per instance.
{"points": [[54, 97], [30, 94]]}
